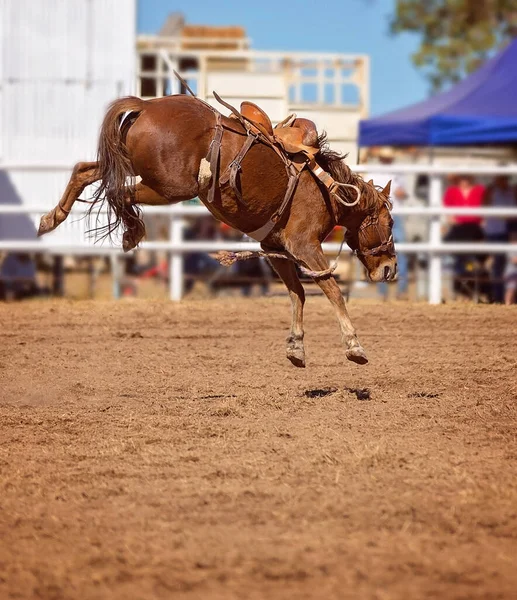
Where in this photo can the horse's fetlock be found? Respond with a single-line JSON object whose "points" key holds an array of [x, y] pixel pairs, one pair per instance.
{"points": [[350, 340], [294, 339]]}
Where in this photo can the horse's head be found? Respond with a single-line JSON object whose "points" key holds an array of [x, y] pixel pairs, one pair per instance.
{"points": [[369, 235], [367, 217]]}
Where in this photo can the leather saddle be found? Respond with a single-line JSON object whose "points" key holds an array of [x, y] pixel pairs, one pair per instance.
{"points": [[294, 140], [293, 134]]}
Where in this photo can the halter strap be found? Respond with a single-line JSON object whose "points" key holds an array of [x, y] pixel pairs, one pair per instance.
{"points": [[386, 245]]}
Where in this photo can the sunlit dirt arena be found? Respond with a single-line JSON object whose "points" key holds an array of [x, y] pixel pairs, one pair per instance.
{"points": [[152, 450]]}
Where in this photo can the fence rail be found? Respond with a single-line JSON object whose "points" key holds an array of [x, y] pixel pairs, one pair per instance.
{"points": [[176, 246]]}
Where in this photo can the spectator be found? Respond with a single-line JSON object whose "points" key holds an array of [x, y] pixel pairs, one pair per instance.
{"points": [[399, 195], [463, 192], [498, 194], [510, 275]]}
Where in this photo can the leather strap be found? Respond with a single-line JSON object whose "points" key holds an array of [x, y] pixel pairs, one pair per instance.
{"points": [[293, 167], [321, 174], [213, 156], [247, 123], [229, 107], [294, 176], [235, 166]]}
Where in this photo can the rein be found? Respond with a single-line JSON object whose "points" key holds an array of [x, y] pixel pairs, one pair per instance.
{"points": [[227, 258]]}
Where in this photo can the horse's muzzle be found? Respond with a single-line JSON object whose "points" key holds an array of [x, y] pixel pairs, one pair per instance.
{"points": [[390, 273]]}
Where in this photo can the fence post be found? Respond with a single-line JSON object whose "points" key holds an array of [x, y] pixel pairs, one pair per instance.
{"points": [[115, 275], [176, 259], [435, 239]]}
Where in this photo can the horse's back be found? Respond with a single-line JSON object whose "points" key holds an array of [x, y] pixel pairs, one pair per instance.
{"points": [[180, 111]]}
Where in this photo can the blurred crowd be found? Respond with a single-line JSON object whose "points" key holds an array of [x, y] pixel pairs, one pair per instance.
{"points": [[494, 277], [498, 270], [491, 277]]}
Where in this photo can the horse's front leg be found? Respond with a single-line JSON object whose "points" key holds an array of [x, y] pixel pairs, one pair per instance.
{"points": [[84, 174], [287, 272], [314, 259]]}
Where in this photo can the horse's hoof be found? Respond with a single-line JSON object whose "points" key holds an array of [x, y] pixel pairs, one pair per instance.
{"points": [[43, 226], [128, 241], [51, 220], [357, 355], [297, 357], [48, 223], [133, 236]]}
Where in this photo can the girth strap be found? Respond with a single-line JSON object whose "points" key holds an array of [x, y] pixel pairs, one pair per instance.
{"points": [[213, 156]]}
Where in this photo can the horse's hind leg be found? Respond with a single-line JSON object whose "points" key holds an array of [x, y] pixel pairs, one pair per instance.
{"points": [[315, 260], [143, 194], [84, 174], [135, 228], [287, 272]]}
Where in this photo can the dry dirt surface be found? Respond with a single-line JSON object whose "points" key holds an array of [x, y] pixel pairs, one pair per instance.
{"points": [[151, 450]]}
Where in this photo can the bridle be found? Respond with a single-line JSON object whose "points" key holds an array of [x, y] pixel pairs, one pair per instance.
{"points": [[386, 245]]}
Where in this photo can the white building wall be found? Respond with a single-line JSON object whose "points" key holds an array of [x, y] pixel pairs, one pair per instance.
{"points": [[268, 90], [61, 63]]}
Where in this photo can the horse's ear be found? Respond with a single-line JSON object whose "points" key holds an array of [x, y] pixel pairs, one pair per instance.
{"points": [[370, 182], [386, 191]]}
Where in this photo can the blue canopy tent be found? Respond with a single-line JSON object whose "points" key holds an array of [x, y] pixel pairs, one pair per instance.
{"points": [[482, 109]]}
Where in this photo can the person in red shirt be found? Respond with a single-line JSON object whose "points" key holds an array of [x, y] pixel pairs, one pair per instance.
{"points": [[465, 228]]}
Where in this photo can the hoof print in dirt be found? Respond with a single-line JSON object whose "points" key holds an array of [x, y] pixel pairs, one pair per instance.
{"points": [[423, 395], [319, 392], [361, 393]]}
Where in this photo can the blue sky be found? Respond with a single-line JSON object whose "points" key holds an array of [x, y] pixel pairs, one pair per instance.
{"points": [[359, 26]]}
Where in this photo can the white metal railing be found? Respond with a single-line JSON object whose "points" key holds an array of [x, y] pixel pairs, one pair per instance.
{"points": [[176, 246], [329, 73]]}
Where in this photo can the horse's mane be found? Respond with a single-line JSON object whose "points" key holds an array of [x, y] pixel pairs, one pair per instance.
{"points": [[334, 163]]}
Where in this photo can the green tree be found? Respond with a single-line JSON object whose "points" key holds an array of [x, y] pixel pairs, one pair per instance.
{"points": [[457, 35]]}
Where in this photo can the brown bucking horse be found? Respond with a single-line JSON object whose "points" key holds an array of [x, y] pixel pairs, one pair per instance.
{"points": [[182, 147]]}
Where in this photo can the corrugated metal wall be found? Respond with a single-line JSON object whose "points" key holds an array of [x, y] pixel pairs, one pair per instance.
{"points": [[61, 63]]}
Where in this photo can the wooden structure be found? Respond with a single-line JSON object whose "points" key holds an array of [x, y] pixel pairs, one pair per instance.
{"points": [[330, 89]]}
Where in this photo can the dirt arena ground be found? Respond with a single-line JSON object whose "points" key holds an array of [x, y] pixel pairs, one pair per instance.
{"points": [[151, 450]]}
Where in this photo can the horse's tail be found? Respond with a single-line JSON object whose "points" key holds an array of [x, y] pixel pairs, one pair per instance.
{"points": [[115, 167]]}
